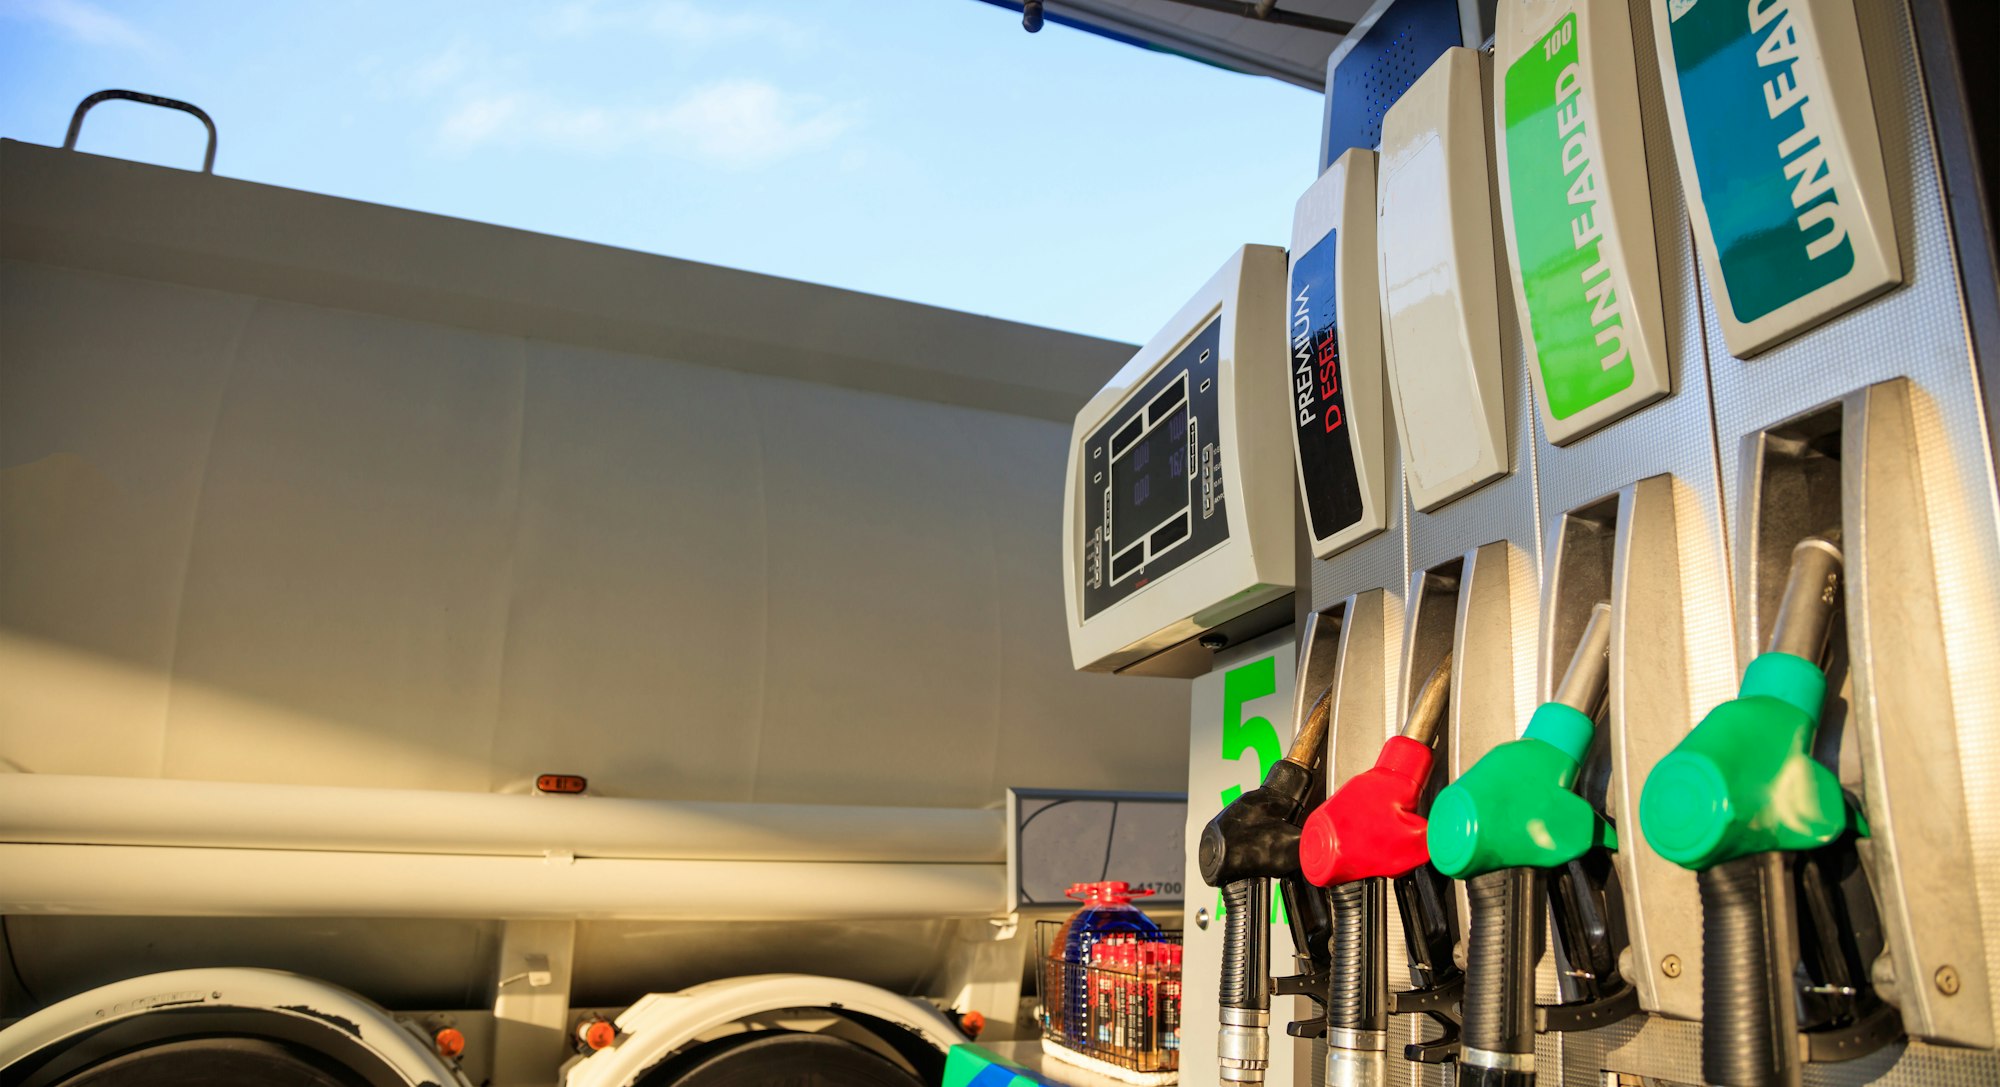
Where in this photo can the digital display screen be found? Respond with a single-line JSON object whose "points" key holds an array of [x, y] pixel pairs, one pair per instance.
{"points": [[1152, 472], [1149, 480]]}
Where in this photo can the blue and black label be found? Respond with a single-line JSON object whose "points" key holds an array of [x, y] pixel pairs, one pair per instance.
{"points": [[1325, 434]]}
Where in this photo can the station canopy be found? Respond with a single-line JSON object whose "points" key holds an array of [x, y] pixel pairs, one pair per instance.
{"points": [[1286, 39]]}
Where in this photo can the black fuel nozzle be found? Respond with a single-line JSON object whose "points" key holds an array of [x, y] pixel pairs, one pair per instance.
{"points": [[1257, 835]]}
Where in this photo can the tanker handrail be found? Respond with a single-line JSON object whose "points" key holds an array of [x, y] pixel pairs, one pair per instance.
{"points": [[60, 809]]}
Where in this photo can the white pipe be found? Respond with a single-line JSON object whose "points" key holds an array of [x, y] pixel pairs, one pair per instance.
{"points": [[53, 809], [178, 882]]}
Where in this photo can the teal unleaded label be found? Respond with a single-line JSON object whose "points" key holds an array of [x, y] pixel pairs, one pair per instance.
{"points": [[1772, 187], [1576, 310]]}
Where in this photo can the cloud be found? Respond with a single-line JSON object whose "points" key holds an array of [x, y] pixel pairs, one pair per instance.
{"points": [[736, 124], [478, 121], [748, 122], [442, 69], [83, 21], [680, 21]]}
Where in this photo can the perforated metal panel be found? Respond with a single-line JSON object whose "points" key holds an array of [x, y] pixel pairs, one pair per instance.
{"points": [[1371, 68]]}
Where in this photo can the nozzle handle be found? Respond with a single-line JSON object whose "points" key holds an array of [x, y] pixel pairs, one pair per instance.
{"points": [[1746, 1004], [1502, 946], [1244, 1000]]}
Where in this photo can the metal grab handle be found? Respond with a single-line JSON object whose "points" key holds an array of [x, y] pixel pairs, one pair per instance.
{"points": [[83, 107]]}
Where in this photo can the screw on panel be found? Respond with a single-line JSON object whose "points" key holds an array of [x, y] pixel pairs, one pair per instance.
{"points": [[1947, 980], [1671, 966]]}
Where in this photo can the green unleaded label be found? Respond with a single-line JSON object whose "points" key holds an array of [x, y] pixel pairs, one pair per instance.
{"points": [[1576, 307], [1777, 199]]}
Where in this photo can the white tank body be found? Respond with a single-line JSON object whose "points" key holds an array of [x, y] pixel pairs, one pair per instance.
{"points": [[298, 491]]}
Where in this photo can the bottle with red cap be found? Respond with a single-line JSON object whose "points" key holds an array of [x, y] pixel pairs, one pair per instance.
{"points": [[1107, 912]]}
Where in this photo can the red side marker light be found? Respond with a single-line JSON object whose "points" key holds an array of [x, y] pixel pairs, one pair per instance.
{"points": [[595, 1033], [565, 784], [450, 1043]]}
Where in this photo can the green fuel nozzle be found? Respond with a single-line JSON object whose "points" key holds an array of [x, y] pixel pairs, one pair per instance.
{"points": [[1744, 781], [1516, 807]]}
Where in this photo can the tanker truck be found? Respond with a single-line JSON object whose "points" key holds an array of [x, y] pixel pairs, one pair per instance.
{"points": [[433, 653]]}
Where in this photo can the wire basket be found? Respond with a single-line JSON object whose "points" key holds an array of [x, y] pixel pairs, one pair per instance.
{"points": [[1122, 1007]]}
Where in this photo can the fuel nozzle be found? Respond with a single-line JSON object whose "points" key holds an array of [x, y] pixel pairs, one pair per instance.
{"points": [[1740, 793], [1744, 781], [1257, 835], [1506, 819], [1248, 844], [1370, 826], [1516, 807]]}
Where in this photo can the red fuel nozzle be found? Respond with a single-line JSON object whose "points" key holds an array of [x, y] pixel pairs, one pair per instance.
{"points": [[1370, 825]]}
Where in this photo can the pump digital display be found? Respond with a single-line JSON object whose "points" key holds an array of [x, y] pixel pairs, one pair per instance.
{"points": [[1153, 478], [1149, 470], [1324, 434]]}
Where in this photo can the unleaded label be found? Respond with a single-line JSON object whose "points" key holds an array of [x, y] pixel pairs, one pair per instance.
{"points": [[1319, 405], [1576, 305], [1778, 200]]}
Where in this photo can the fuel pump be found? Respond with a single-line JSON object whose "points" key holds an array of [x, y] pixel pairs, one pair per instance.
{"points": [[1742, 801], [1368, 834], [1247, 845], [1506, 826]]}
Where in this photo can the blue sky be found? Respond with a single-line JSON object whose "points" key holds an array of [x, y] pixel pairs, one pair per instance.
{"points": [[921, 149]]}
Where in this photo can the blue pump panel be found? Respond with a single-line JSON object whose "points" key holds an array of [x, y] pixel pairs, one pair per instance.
{"points": [[1391, 47]]}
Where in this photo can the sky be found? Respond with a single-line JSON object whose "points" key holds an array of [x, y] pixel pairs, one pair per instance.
{"points": [[922, 149]]}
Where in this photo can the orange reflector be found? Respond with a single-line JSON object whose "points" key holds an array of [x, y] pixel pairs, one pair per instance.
{"points": [[596, 1033], [972, 1023], [560, 783], [450, 1042]]}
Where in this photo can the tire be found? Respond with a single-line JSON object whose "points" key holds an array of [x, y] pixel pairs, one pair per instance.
{"points": [[214, 1062], [780, 1059]]}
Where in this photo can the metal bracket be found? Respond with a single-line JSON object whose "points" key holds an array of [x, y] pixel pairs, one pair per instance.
{"points": [[83, 107], [1440, 1002], [1589, 1015]]}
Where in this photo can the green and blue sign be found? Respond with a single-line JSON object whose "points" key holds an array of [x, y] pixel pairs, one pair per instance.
{"points": [[1577, 309], [1780, 199]]}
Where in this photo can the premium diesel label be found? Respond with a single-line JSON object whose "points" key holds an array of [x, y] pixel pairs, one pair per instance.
{"points": [[1576, 295], [1780, 199], [1319, 407]]}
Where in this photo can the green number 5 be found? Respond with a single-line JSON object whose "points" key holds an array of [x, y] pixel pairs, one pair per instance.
{"points": [[1246, 684], [1239, 686]]}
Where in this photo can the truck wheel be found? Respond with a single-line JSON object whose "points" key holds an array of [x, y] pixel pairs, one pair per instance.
{"points": [[780, 1059], [215, 1062]]}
